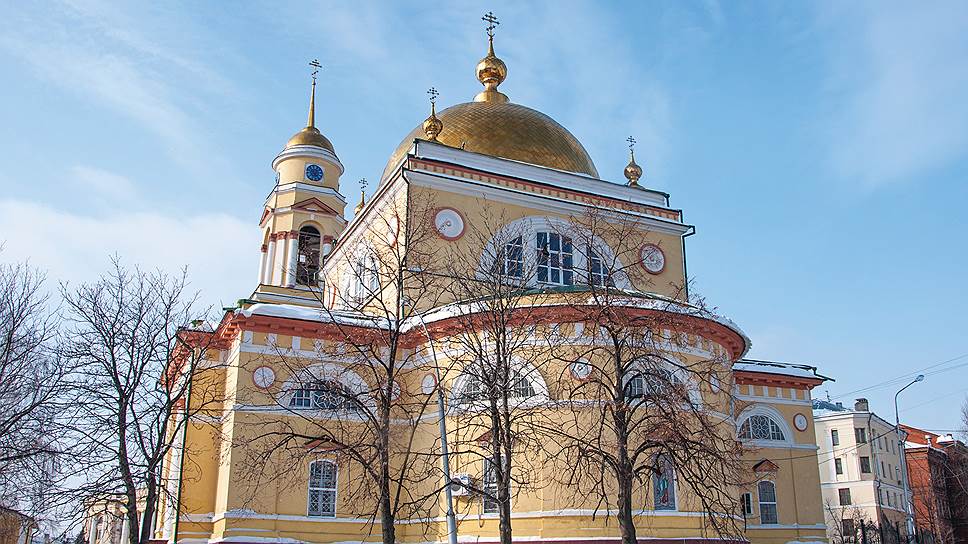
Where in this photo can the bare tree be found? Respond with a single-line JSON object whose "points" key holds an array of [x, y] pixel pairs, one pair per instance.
{"points": [[850, 525], [347, 401], [31, 386], [137, 377], [495, 349], [639, 407]]}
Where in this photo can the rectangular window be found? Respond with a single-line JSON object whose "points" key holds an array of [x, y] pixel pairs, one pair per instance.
{"points": [[835, 437], [838, 465], [844, 496], [847, 530], [883, 470], [322, 489], [861, 435], [555, 259], [490, 504], [897, 474], [865, 465], [514, 258], [767, 496], [599, 274], [746, 504]]}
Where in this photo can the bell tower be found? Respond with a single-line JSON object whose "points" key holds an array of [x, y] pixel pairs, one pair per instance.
{"points": [[303, 214]]}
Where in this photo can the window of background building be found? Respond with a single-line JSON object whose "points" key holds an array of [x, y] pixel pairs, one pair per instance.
{"points": [[861, 434], [844, 496], [835, 437], [883, 470], [865, 465], [838, 465], [847, 530]]}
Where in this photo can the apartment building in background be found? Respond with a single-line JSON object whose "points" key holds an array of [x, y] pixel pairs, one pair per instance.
{"points": [[938, 479], [862, 477]]}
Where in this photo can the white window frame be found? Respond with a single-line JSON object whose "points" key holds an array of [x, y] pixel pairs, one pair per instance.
{"points": [[489, 484], [322, 491], [746, 504], [762, 503], [528, 228], [524, 371], [773, 414], [555, 254]]}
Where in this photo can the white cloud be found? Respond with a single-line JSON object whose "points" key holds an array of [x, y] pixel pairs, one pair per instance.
{"points": [[900, 75], [102, 183], [220, 251]]}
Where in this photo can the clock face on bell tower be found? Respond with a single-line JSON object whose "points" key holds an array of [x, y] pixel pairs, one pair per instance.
{"points": [[314, 172]]}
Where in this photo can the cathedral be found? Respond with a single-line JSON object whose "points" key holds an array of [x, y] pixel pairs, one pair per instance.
{"points": [[357, 359]]}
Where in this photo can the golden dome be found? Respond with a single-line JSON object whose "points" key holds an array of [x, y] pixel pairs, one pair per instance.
{"points": [[506, 130], [633, 171], [310, 136]]}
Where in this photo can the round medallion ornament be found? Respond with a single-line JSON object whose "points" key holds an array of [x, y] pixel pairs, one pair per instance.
{"points": [[314, 172], [800, 422], [449, 223], [653, 259], [428, 383], [263, 377], [580, 370]]}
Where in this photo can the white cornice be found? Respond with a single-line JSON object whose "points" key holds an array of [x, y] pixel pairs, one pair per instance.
{"points": [[566, 180], [467, 187], [308, 151], [299, 186]]}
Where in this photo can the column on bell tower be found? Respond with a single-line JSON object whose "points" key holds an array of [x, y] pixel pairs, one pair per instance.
{"points": [[304, 213]]}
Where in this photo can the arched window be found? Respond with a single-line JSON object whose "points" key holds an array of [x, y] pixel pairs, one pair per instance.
{"points": [[767, 497], [322, 489], [513, 258], [474, 389], [322, 395], [307, 267], [761, 427], [664, 483], [650, 383]]}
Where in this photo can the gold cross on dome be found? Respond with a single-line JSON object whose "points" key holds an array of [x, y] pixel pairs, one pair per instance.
{"points": [[631, 142], [492, 21], [433, 95], [316, 68]]}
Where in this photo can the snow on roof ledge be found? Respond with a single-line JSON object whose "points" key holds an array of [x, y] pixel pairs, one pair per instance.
{"points": [[783, 369]]}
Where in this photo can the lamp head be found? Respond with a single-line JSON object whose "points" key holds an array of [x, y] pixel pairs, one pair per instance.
{"points": [[920, 378]]}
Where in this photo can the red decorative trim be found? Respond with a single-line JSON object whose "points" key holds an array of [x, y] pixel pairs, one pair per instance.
{"points": [[265, 248], [265, 215], [304, 206], [657, 212], [745, 377], [642, 259], [462, 219], [765, 466]]}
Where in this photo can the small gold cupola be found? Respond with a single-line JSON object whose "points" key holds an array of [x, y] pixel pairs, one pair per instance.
{"points": [[491, 71], [310, 135], [433, 125], [632, 170]]}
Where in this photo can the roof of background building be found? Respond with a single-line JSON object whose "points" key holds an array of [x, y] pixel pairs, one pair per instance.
{"points": [[783, 369]]}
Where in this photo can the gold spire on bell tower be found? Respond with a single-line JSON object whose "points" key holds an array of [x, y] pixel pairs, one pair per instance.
{"points": [[362, 196], [632, 171], [491, 71], [433, 126], [310, 135]]}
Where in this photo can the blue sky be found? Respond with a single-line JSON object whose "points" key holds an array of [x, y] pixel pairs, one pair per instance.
{"points": [[819, 148]]}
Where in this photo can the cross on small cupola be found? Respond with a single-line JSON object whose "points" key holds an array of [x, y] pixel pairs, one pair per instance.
{"points": [[362, 196], [492, 23], [433, 126], [316, 68], [632, 171]]}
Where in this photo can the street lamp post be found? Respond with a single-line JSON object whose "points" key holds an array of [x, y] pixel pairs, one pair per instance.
{"points": [[908, 514], [445, 456]]}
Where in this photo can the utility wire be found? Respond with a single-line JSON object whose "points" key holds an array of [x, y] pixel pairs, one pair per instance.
{"points": [[908, 375]]}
